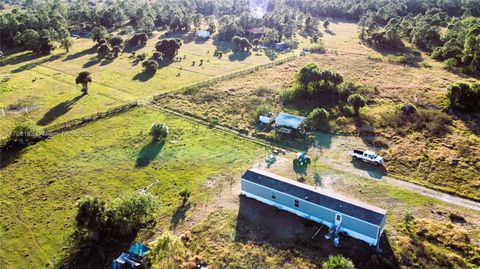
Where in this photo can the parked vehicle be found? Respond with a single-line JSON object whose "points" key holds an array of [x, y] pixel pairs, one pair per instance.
{"points": [[367, 156]]}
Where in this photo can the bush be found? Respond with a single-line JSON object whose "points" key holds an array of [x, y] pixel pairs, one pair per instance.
{"points": [[185, 194], [262, 110], [319, 48], [127, 213], [23, 132], [318, 118], [159, 131], [157, 56], [338, 262], [348, 111], [450, 64], [464, 97]]}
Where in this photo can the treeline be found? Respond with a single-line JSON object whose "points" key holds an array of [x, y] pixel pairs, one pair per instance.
{"points": [[385, 9]]}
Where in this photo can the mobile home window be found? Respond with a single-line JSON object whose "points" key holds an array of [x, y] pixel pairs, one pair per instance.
{"points": [[274, 196], [296, 203]]}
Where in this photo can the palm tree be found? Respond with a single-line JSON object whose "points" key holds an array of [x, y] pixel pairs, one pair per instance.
{"points": [[357, 101], [84, 78]]}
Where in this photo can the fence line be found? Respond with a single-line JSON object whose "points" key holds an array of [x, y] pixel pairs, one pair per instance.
{"points": [[71, 124]]}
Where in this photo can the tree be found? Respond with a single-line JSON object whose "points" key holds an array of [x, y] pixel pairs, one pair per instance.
{"points": [[139, 39], [255, 43], [326, 23], [116, 41], [99, 33], [318, 118], [131, 210], [169, 47], [157, 56], [159, 131], [464, 97], [84, 78], [185, 194], [338, 262], [116, 50], [357, 101], [102, 50], [241, 43], [29, 39], [150, 67], [90, 215], [146, 24], [66, 43]]}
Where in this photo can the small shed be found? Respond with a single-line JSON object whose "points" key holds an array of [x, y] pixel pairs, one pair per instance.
{"points": [[289, 121], [267, 118], [356, 219], [203, 33]]}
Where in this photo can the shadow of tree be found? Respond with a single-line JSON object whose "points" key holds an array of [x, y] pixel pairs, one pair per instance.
{"points": [[58, 111], [254, 225], [87, 253], [239, 56], [148, 153], [143, 76], [32, 65], [80, 54], [271, 54], [328, 31], [180, 214], [93, 61]]}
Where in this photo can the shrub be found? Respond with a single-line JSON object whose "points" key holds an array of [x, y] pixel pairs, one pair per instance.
{"points": [[159, 131], [318, 48], [262, 110], [450, 64], [263, 91], [338, 262], [157, 56], [90, 214], [318, 118], [185, 194], [464, 97], [23, 132], [348, 111]]}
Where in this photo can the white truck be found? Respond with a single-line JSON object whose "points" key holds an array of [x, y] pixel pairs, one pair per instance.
{"points": [[367, 156]]}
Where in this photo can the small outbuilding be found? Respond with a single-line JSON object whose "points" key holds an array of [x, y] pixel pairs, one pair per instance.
{"points": [[288, 123], [281, 46], [352, 217], [203, 34]]}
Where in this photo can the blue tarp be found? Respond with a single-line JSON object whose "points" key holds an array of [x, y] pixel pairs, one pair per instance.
{"points": [[289, 120], [139, 249]]}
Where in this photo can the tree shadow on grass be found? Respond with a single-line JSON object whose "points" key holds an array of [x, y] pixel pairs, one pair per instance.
{"points": [[80, 54], [148, 153], [239, 56], [143, 76], [271, 54], [93, 61], [254, 226], [180, 214], [29, 66], [58, 111], [87, 253]]}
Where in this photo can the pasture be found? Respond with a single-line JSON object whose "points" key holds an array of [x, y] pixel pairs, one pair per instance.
{"points": [[41, 183], [43, 89], [445, 162]]}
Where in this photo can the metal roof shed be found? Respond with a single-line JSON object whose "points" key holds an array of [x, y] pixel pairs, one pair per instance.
{"points": [[357, 219], [289, 120]]}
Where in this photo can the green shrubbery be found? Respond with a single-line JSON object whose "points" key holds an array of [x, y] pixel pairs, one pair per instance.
{"points": [[100, 221], [338, 262], [318, 118], [464, 97], [23, 132]]}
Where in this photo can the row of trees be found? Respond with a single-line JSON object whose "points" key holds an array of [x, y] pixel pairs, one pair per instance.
{"points": [[36, 31]]}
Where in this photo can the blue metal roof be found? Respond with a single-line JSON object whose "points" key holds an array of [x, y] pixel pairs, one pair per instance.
{"points": [[332, 201], [289, 120]]}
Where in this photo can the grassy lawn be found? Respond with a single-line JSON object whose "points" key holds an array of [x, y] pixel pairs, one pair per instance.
{"points": [[106, 158], [47, 83]]}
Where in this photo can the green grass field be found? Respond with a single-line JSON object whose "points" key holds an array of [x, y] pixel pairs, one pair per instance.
{"points": [[45, 85], [105, 159]]}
